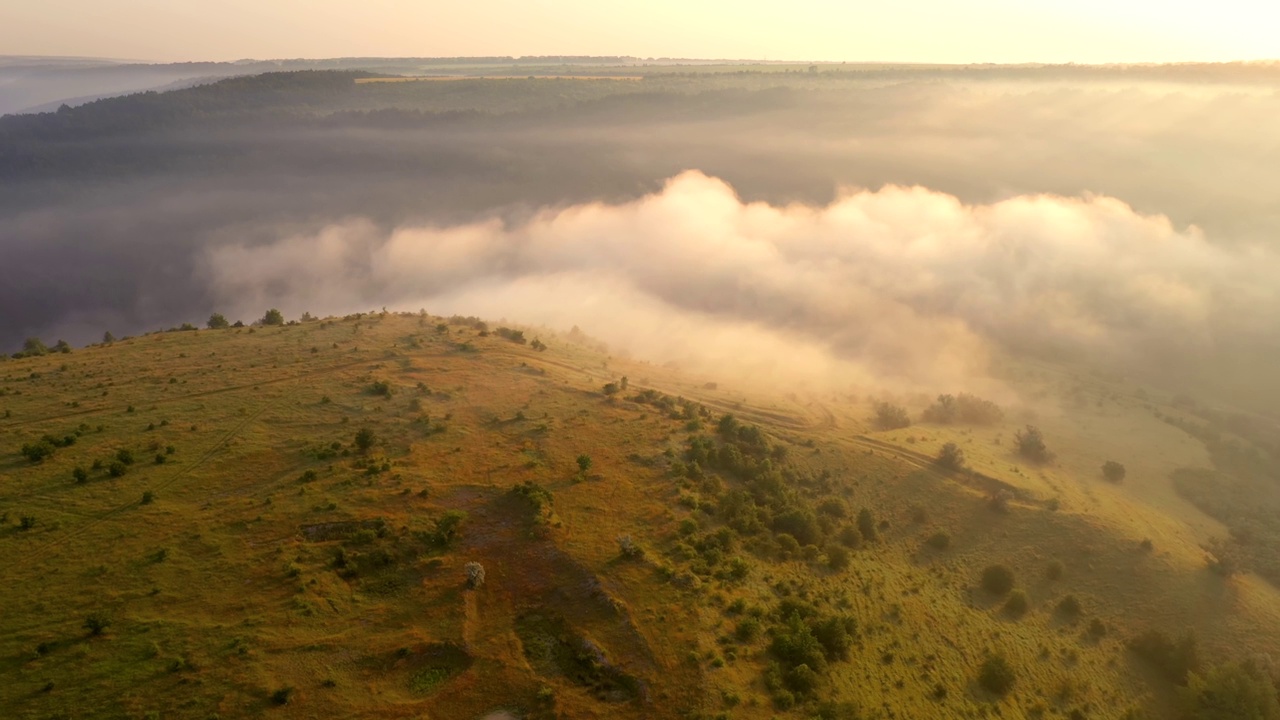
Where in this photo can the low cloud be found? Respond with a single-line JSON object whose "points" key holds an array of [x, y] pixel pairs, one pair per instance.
{"points": [[902, 287]]}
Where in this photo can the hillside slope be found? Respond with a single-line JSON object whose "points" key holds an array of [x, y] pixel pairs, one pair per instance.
{"points": [[277, 522]]}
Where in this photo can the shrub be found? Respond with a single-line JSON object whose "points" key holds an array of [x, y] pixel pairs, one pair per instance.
{"points": [[475, 574], [516, 336], [125, 456], [584, 463], [891, 417], [96, 623], [365, 439], [1174, 660], [26, 522], [38, 451], [837, 557], [1097, 628], [996, 675], [997, 579], [1016, 605], [939, 541], [80, 475], [117, 469], [1030, 444], [950, 457], [148, 497], [1113, 471], [629, 548], [217, 322], [867, 525], [1053, 570], [1069, 607], [281, 696], [963, 408], [380, 387], [273, 317], [747, 630], [610, 388]]}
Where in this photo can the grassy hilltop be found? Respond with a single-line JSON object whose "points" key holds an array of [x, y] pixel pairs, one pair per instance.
{"points": [[281, 521]]}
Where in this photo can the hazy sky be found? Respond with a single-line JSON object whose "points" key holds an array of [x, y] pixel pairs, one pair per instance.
{"points": [[906, 30]]}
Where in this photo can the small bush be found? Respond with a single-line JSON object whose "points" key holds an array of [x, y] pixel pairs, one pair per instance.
{"points": [[1069, 607], [1113, 471], [747, 630], [365, 439], [997, 579], [996, 675], [475, 574], [96, 623], [148, 497], [629, 549], [939, 541], [281, 696], [1174, 660], [26, 522], [117, 469], [867, 525], [1053, 570], [125, 456], [1016, 605], [80, 475], [837, 557]]}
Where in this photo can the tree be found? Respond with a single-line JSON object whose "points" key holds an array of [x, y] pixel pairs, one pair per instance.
{"points": [[32, 347], [218, 322], [475, 574], [1030, 443], [611, 388], [997, 579], [951, 457], [1113, 471], [108, 338], [996, 675], [1231, 692], [365, 439], [584, 463], [273, 317], [891, 417]]}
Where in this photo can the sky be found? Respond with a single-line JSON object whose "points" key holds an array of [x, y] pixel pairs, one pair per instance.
{"points": [[1002, 31]]}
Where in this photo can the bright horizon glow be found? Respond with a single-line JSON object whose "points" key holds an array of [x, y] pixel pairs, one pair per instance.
{"points": [[928, 31]]}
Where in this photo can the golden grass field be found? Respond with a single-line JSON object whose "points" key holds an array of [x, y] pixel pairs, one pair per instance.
{"points": [[223, 589]]}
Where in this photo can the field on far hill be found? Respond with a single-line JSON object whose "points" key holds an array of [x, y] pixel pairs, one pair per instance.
{"points": [[407, 516]]}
